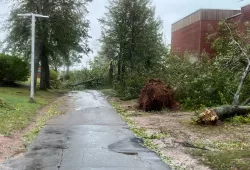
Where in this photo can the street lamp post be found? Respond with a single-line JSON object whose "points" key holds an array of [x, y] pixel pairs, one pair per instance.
{"points": [[33, 28]]}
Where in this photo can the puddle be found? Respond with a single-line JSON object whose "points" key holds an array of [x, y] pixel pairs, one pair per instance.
{"points": [[79, 109]]}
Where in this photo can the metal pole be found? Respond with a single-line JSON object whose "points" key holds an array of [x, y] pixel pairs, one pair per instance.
{"points": [[33, 28], [32, 88]]}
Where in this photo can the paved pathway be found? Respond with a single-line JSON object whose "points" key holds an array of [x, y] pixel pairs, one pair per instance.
{"points": [[90, 136]]}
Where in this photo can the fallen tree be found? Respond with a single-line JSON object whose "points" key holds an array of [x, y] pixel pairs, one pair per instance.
{"points": [[212, 116], [86, 82]]}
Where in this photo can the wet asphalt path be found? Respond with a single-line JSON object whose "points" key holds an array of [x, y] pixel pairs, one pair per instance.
{"points": [[90, 136]]}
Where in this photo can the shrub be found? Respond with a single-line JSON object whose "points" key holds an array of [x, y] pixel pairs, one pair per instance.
{"points": [[53, 75], [12, 69], [54, 82]]}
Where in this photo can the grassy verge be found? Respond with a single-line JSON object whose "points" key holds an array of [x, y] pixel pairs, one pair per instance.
{"points": [[29, 136], [230, 155], [16, 112], [225, 159]]}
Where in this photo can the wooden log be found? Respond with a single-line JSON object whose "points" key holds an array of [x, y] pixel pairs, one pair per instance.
{"points": [[212, 116], [85, 82]]}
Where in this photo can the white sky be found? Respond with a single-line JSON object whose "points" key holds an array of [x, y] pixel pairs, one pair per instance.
{"points": [[168, 10]]}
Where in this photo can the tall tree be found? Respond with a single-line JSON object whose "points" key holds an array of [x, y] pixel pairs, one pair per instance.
{"points": [[65, 32], [233, 53], [131, 36]]}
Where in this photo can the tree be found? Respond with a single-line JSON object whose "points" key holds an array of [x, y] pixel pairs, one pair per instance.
{"points": [[131, 36], [65, 32], [233, 51]]}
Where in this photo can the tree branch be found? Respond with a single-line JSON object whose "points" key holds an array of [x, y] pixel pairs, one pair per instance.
{"points": [[243, 78], [245, 73]]}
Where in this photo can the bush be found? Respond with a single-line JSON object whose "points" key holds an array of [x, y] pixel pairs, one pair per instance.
{"points": [[54, 82], [53, 75], [12, 69]]}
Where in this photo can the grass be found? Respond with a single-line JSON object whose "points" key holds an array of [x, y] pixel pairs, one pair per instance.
{"points": [[227, 154], [238, 120], [226, 159], [16, 112]]}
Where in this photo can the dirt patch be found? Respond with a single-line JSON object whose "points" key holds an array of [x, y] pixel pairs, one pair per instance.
{"points": [[183, 137], [13, 145]]}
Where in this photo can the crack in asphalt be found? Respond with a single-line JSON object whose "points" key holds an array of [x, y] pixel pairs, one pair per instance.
{"points": [[60, 162], [61, 158]]}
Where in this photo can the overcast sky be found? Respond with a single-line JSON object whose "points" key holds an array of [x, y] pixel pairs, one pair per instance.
{"points": [[169, 11]]}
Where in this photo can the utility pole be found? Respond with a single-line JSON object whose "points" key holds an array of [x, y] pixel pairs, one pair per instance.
{"points": [[33, 28]]}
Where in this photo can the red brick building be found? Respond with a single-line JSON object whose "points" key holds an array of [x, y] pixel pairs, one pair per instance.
{"points": [[189, 34]]}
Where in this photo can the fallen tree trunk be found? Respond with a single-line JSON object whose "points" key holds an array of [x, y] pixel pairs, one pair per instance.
{"points": [[212, 116], [85, 82]]}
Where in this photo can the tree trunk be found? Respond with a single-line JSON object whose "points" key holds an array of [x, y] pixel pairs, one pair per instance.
{"points": [[47, 79], [123, 71], [119, 69], [132, 46], [243, 78], [111, 70], [44, 80], [212, 116], [85, 82], [37, 60]]}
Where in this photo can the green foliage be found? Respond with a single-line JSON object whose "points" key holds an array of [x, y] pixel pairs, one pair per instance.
{"points": [[221, 39], [53, 75], [232, 50], [238, 120], [54, 81], [132, 84], [132, 41], [227, 159], [13, 69], [63, 38], [199, 82], [89, 79]]}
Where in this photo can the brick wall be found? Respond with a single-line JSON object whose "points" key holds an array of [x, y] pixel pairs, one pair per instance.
{"points": [[193, 38], [242, 18], [205, 30], [186, 38]]}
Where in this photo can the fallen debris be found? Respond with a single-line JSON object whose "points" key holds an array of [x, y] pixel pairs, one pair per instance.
{"points": [[213, 116], [156, 95]]}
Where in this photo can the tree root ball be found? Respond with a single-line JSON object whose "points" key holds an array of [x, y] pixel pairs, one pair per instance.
{"points": [[156, 96], [215, 115], [209, 116]]}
